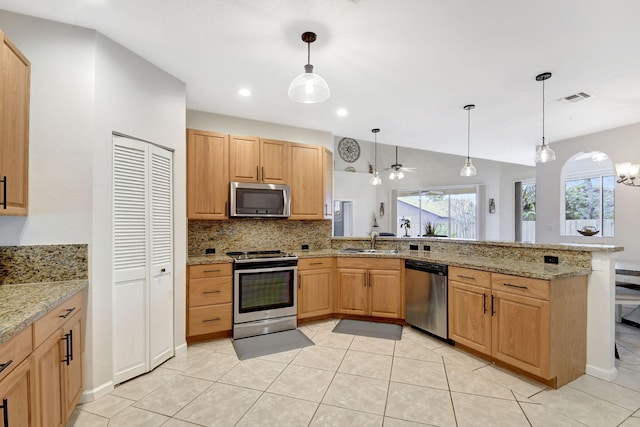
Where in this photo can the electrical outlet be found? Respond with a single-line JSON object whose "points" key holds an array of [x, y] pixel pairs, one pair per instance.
{"points": [[549, 259], [426, 248], [413, 247], [210, 251], [305, 247]]}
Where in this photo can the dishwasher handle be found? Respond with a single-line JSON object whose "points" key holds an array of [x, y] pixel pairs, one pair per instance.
{"points": [[429, 267]]}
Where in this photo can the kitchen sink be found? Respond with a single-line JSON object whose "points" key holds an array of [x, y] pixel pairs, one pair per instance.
{"points": [[369, 251]]}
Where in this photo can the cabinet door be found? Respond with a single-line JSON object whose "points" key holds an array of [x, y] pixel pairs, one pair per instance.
{"points": [[385, 296], [306, 181], [314, 292], [470, 316], [48, 380], [16, 396], [244, 158], [72, 373], [327, 172], [273, 161], [14, 129], [352, 291], [207, 175], [521, 332]]}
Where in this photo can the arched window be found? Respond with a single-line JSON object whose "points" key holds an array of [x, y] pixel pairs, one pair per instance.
{"points": [[588, 193]]}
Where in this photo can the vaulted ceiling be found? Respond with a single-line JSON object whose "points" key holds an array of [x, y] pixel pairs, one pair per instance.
{"points": [[405, 66]]}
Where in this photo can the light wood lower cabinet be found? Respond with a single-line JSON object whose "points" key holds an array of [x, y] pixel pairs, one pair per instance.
{"points": [[58, 362], [16, 380], [315, 287], [209, 297], [370, 287], [538, 326]]}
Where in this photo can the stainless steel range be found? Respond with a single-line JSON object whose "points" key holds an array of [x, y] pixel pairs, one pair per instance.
{"points": [[264, 292]]}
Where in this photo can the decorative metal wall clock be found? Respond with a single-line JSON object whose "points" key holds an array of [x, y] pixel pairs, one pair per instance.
{"points": [[349, 150]]}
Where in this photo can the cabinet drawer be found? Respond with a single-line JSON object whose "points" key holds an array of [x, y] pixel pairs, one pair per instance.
{"points": [[51, 321], [311, 263], [369, 263], [208, 291], [470, 276], [210, 270], [525, 286], [209, 319], [14, 351]]}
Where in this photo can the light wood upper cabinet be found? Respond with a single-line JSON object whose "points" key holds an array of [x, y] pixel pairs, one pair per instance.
{"points": [[253, 159], [306, 180], [14, 129], [207, 175], [315, 287], [327, 174]]}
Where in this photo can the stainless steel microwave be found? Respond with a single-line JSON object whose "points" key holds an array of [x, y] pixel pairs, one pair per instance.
{"points": [[260, 200]]}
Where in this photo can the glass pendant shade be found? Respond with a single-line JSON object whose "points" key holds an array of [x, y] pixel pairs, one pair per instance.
{"points": [[308, 87], [468, 169], [375, 179], [544, 154], [396, 174]]}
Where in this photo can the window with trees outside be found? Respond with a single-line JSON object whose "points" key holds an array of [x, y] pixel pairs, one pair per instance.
{"points": [[442, 212], [589, 195], [526, 191]]}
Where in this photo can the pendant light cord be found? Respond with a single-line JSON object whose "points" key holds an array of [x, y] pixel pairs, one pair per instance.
{"points": [[468, 132], [308, 53], [543, 112]]}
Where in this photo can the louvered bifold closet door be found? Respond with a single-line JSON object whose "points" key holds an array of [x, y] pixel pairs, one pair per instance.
{"points": [[130, 258], [161, 284]]}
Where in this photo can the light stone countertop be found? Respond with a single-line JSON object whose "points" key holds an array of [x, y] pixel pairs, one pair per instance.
{"points": [[21, 305], [494, 265]]}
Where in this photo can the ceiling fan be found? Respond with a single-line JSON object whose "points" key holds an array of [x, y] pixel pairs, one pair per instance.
{"points": [[397, 170]]}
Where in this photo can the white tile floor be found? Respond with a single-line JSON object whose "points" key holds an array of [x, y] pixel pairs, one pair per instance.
{"points": [[347, 380]]}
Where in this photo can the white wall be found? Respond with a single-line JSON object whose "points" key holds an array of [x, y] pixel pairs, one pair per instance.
{"points": [[235, 125], [432, 170], [621, 145], [84, 87]]}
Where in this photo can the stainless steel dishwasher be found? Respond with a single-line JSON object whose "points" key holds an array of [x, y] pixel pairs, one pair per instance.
{"points": [[426, 292]]}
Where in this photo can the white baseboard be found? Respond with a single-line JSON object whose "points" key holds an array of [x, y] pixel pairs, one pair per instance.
{"points": [[96, 393], [182, 348], [603, 374]]}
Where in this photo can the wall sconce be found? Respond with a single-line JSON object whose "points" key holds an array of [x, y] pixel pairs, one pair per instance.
{"points": [[627, 173], [492, 206], [381, 209]]}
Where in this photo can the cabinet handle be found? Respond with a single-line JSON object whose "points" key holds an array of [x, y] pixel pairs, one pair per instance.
{"points": [[4, 193], [69, 311], [493, 310], [465, 277], [5, 412], [315, 263], [215, 319], [211, 271], [70, 345], [299, 280], [514, 286], [217, 291], [262, 178], [484, 303], [67, 356], [5, 365]]}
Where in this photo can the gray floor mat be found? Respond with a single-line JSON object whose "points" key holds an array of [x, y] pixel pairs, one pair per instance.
{"points": [[369, 329], [261, 345]]}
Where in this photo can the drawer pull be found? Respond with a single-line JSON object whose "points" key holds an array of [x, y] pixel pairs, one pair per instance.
{"points": [[5, 412], [4, 365], [514, 286], [69, 311], [315, 263], [466, 277], [4, 200], [211, 271], [217, 291], [215, 319]]}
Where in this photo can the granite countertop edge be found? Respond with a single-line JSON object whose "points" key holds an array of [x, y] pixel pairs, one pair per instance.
{"points": [[517, 268], [22, 304]]}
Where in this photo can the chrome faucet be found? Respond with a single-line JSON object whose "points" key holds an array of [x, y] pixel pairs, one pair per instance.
{"points": [[374, 235]]}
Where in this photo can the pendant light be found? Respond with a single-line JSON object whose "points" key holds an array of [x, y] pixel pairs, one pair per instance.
{"points": [[468, 169], [375, 179], [543, 152], [309, 88]]}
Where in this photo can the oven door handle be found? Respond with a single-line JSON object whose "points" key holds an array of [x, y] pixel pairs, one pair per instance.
{"points": [[238, 271]]}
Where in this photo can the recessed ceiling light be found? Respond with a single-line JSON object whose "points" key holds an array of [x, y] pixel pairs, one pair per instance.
{"points": [[244, 92], [342, 112]]}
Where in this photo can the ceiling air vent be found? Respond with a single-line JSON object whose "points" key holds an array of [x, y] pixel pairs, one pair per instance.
{"points": [[576, 97]]}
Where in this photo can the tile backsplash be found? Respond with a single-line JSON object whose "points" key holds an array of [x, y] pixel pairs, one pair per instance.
{"points": [[257, 234], [43, 263]]}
